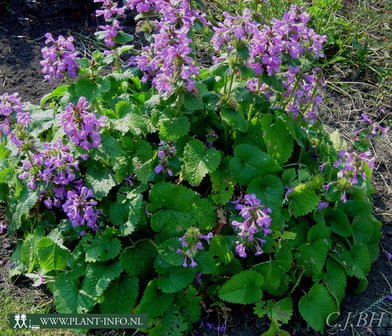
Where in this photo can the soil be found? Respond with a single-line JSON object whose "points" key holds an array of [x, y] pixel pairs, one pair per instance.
{"points": [[23, 24]]}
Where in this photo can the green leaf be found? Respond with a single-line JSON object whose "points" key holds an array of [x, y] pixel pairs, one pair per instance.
{"points": [[29, 249], [51, 256], [138, 259], [173, 323], [109, 148], [243, 52], [176, 280], [234, 118], [302, 200], [102, 248], [68, 297], [272, 272], [123, 38], [338, 221], [273, 81], [199, 161], [362, 230], [192, 102], [100, 180], [190, 302], [41, 120], [250, 162], [206, 262], [357, 261], [277, 311], [87, 88], [279, 142], [269, 190], [121, 296], [289, 176], [154, 302], [25, 202], [312, 256], [16, 260], [219, 247], [338, 142], [316, 306], [168, 251], [98, 277], [242, 288], [56, 93], [172, 207], [174, 128], [222, 186], [335, 279]]}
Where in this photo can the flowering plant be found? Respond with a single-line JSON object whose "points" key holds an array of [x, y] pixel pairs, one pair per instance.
{"points": [[142, 189]]}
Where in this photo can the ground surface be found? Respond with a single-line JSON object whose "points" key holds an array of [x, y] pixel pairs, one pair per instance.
{"points": [[22, 27]]}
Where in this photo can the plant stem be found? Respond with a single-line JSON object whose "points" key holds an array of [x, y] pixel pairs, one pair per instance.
{"points": [[311, 98], [97, 107], [116, 60], [67, 77], [292, 92], [231, 83]]}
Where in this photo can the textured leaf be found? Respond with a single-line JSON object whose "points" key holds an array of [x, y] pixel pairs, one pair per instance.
{"points": [[250, 162], [192, 102], [242, 288], [173, 323], [335, 279], [16, 260], [68, 297], [138, 259], [176, 208], [51, 256], [176, 280], [29, 249], [25, 202], [338, 221], [109, 148], [87, 88], [269, 191], [272, 272], [362, 230], [234, 118], [316, 306], [279, 142], [357, 261], [219, 248], [102, 248], [168, 251], [206, 262], [121, 296], [302, 200], [154, 303], [174, 128], [190, 301], [199, 162], [277, 311], [100, 180], [313, 256], [98, 277], [222, 186]]}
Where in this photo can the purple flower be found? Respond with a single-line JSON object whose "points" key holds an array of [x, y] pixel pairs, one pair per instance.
{"points": [[322, 167], [80, 209], [3, 227], [389, 297], [59, 58], [110, 10], [322, 205], [222, 328], [191, 244], [256, 219], [389, 255], [11, 109], [80, 126], [166, 150], [289, 190]]}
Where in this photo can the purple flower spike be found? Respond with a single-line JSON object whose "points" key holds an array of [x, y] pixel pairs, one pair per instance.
{"points": [[322, 205], [166, 151], [289, 190], [256, 220], [191, 245], [389, 255], [59, 58]]}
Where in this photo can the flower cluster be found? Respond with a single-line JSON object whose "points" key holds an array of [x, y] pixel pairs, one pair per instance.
{"points": [[301, 93], [256, 219], [210, 137], [167, 61], [59, 58], [11, 112], [111, 13], [80, 208], [80, 126], [190, 243], [55, 164], [351, 166], [370, 128], [166, 151]]}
